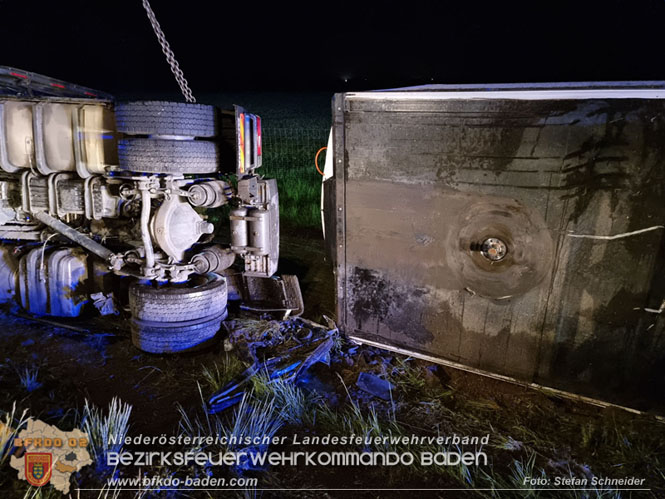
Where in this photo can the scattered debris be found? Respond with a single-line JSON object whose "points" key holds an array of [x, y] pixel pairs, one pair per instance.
{"points": [[280, 350], [375, 386], [301, 352], [104, 303]]}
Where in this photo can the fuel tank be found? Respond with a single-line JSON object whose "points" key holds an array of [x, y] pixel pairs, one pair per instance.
{"points": [[53, 282]]}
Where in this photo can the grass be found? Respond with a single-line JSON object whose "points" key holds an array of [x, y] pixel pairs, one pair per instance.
{"points": [[511, 483], [353, 420], [208, 425], [106, 433], [528, 433], [257, 414], [406, 376], [220, 373], [295, 126], [299, 192], [298, 408], [252, 419], [522, 469], [410, 379], [300, 205], [44, 493], [8, 431], [28, 377], [274, 406]]}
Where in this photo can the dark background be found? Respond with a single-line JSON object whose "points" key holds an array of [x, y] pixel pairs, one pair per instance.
{"points": [[243, 45]]}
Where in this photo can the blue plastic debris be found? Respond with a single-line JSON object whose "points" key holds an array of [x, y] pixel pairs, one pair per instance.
{"points": [[374, 385], [290, 366]]}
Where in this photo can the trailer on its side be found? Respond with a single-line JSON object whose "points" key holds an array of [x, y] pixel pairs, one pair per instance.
{"points": [[512, 230]]}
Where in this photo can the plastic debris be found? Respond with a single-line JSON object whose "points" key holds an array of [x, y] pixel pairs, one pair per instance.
{"points": [[285, 351], [374, 385], [104, 303]]}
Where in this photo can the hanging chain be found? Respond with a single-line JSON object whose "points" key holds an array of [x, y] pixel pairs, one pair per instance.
{"points": [[170, 57]]}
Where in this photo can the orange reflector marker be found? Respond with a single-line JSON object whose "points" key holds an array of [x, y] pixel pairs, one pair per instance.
{"points": [[316, 159]]}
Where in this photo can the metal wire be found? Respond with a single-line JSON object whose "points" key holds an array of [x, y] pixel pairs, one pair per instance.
{"points": [[170, 57]]}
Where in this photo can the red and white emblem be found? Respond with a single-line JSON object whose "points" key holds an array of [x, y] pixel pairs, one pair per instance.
{"points": [[38, 468]]}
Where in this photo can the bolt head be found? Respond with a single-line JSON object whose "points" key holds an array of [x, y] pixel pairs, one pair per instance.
{"points": [[494, 249]]}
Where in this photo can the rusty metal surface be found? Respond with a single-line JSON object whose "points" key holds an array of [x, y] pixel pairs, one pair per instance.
{"points": [[419, 186]]}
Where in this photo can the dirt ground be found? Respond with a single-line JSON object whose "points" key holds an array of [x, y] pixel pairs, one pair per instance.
{"points": [[95, 361]]}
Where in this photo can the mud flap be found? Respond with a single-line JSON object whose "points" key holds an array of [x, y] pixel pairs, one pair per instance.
{"points": [[277, 296]]}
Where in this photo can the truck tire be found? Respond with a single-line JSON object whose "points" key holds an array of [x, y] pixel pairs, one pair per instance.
{"points": [[168, 156], [166, 118], [175, 337], [203, 296]]}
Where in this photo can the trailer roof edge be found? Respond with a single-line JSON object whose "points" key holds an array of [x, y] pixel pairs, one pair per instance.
{"points": [[512, 94]]}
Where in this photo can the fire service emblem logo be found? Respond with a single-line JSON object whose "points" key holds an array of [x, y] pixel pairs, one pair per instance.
{"points": [[37, 468]]}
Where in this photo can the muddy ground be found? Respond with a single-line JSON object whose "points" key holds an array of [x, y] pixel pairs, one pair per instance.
{"points": [[531, 432], [94, 359]]}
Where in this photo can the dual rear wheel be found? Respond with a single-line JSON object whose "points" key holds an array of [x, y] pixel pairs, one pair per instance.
{"points": [[177, 317]]}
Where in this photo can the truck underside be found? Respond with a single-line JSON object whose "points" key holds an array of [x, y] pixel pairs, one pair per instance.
{"points": [[109, 200]]}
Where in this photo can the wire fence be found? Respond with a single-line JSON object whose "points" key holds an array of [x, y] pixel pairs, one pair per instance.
{"points": [[288, 156], [292, 150]]}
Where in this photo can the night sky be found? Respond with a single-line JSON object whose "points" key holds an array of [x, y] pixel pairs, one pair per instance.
{"points": [[243, 45]]}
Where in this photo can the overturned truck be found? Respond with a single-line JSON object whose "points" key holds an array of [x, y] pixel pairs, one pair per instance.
{"points": [[99, 198], [512, 230]]}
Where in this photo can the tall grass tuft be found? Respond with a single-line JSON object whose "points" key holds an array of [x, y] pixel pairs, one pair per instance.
{"points": [[106, 433], [253, 418], [106, 492], [42, 493], [28, 377], [197, 427], [297, 407], [353, 420], [256, 420], [8, 431], [219, 374]]}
